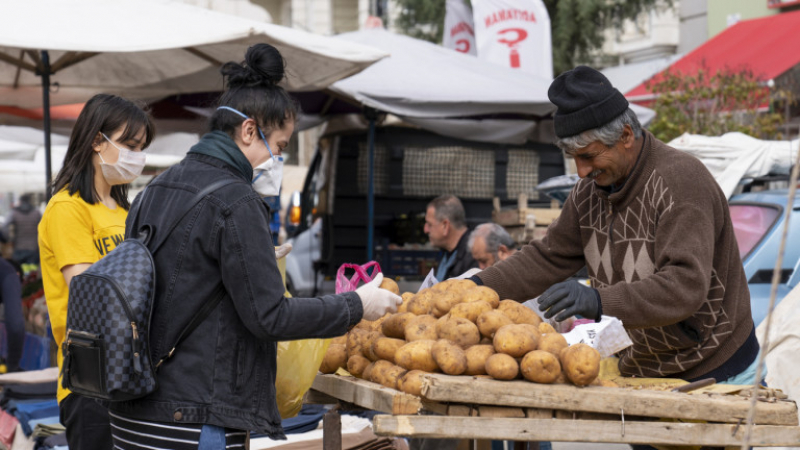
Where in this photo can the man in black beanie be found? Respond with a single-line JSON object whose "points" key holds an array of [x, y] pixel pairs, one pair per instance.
{"points": [[653, 229]]}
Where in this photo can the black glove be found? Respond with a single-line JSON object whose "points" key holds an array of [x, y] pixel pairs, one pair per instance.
{"points": [[570, 298]]}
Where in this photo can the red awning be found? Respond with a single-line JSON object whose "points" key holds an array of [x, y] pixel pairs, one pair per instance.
{"points": [[768, 46]]}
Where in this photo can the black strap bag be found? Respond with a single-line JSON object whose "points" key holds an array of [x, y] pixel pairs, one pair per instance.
{"points": [[106, 350]]}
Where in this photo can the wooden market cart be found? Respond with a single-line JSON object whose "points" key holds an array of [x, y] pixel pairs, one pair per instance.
{"points": [[467, 407]]}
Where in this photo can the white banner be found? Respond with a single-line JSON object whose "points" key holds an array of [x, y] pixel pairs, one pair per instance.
{"points": [[459, 32], [514, 33]]}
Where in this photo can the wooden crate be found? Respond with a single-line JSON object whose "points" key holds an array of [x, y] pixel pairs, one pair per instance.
{"points": [[480, 408]]}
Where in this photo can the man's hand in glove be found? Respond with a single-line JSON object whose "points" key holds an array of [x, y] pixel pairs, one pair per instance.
{"points": [[376, 301], [570, 298]]}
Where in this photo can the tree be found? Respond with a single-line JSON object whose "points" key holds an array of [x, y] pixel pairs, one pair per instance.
{"points": [[576, 25], [714, 103]]}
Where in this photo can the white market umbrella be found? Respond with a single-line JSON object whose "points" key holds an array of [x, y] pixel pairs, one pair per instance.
{"points": [[146, 49]]}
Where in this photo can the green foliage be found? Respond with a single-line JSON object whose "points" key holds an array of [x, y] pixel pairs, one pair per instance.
{"points": [[422, 19], [713, 104], [577, 25]]}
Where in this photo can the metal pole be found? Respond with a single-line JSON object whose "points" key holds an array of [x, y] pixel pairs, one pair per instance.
{"points": [[371, 115], [45, 74]]}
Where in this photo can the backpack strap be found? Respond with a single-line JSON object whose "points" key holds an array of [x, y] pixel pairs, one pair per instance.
{"points": [[198, 318], [188, 207]]}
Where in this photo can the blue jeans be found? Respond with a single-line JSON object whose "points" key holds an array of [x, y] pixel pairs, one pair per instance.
{"points": [[212, 437]]}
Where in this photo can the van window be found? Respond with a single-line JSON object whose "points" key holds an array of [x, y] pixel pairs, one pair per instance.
{"points": [[751, 223]]}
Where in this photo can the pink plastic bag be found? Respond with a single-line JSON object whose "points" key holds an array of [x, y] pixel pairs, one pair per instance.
{"points": [[344, 284]]}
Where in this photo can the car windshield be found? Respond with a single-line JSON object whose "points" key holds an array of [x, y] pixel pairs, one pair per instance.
{"points": [[751, 223]]}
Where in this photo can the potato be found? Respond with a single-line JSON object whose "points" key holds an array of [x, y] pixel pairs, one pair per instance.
{"points": [[411, 382], [491, 321], [460, 286], [356, 340], [378, 370], [515, 340], [519, 313], [440, 323], [502, 367], [366, 373], [377, 325], [471, 310], [395, 325], [476, 359], [545, 328], [449, 356], [335, 357], [407, 296], [553, 343], [421, 327], [390, 285], [580, 363], [540, 367], [392, 376], [385, 347], [364, 324], [368, 343], [356, 365], [340, 340], [442, 286], [486, 341], [443, 302], [459, 330], [422, 303], [484, 293], [417, 356]]}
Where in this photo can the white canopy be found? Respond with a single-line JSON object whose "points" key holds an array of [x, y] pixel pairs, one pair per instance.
{"points": [[734, 156], [150, 49], [443, 91], [422, 79]]}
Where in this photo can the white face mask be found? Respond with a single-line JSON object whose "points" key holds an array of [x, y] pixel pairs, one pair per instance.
{"points": [[129, 165], [267, 177]]}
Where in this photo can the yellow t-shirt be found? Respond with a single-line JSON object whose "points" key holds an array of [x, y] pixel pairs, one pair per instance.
{"points": [[73, 232]]}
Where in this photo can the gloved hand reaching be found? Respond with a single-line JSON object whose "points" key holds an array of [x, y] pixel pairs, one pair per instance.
{"points": [[570, 298], [376, 301]]}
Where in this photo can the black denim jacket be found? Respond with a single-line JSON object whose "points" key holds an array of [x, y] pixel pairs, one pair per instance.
{"points": [[224, 372]]}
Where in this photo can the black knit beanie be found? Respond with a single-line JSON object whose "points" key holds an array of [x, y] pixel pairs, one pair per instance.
{"points": [[585, 100]]}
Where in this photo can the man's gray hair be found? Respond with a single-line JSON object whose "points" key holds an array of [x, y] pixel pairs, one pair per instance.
{"points": [[449, 207], [608, 134], [494, 235]]}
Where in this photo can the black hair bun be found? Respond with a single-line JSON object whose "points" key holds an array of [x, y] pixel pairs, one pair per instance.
{"points": [[263, 66]]}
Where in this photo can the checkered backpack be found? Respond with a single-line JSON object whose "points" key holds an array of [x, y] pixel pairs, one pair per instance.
{"points": [[106, 350]]}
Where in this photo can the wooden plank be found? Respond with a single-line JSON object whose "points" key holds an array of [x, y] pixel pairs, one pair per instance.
{"points": [[332, 430], [367, 395], [500, 411], [658, 433], [672, 405]]}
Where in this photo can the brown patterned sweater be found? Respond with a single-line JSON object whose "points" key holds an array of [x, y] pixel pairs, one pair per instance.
{"points": [[663, 256]]}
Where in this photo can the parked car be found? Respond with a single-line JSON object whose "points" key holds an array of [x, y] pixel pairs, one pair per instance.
{"points": [[758, 221]]}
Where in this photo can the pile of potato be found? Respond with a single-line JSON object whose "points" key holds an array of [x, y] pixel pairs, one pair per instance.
{"points": [[459, 328]]}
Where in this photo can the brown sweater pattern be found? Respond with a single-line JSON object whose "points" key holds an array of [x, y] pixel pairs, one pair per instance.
{"points": [[662, 254]]}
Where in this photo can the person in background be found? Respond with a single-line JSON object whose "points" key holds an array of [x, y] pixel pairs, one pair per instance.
{"points": [[22, 225], [11, 296], [84, 221], [446, 227], [490, 243], [220, 381]]}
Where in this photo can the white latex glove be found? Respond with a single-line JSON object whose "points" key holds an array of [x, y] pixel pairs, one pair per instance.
{"points": [[376, 301]]}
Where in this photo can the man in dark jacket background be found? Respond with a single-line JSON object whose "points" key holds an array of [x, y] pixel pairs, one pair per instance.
{"points": [[446, 227], [23, 225]]}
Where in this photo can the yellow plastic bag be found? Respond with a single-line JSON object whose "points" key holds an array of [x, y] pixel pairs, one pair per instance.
{"points": [[298, 363]]}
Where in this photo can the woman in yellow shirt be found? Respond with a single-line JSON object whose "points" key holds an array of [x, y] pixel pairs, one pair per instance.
{"points": [[84, 221]]}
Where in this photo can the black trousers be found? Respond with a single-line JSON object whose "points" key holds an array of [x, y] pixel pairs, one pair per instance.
{"points": [[87, 423]]}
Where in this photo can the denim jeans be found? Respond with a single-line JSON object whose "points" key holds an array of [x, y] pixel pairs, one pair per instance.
{"points": [[212, 437]]}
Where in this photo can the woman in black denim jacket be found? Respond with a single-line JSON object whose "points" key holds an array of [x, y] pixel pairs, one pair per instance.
{"points": [[221, 379]]}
